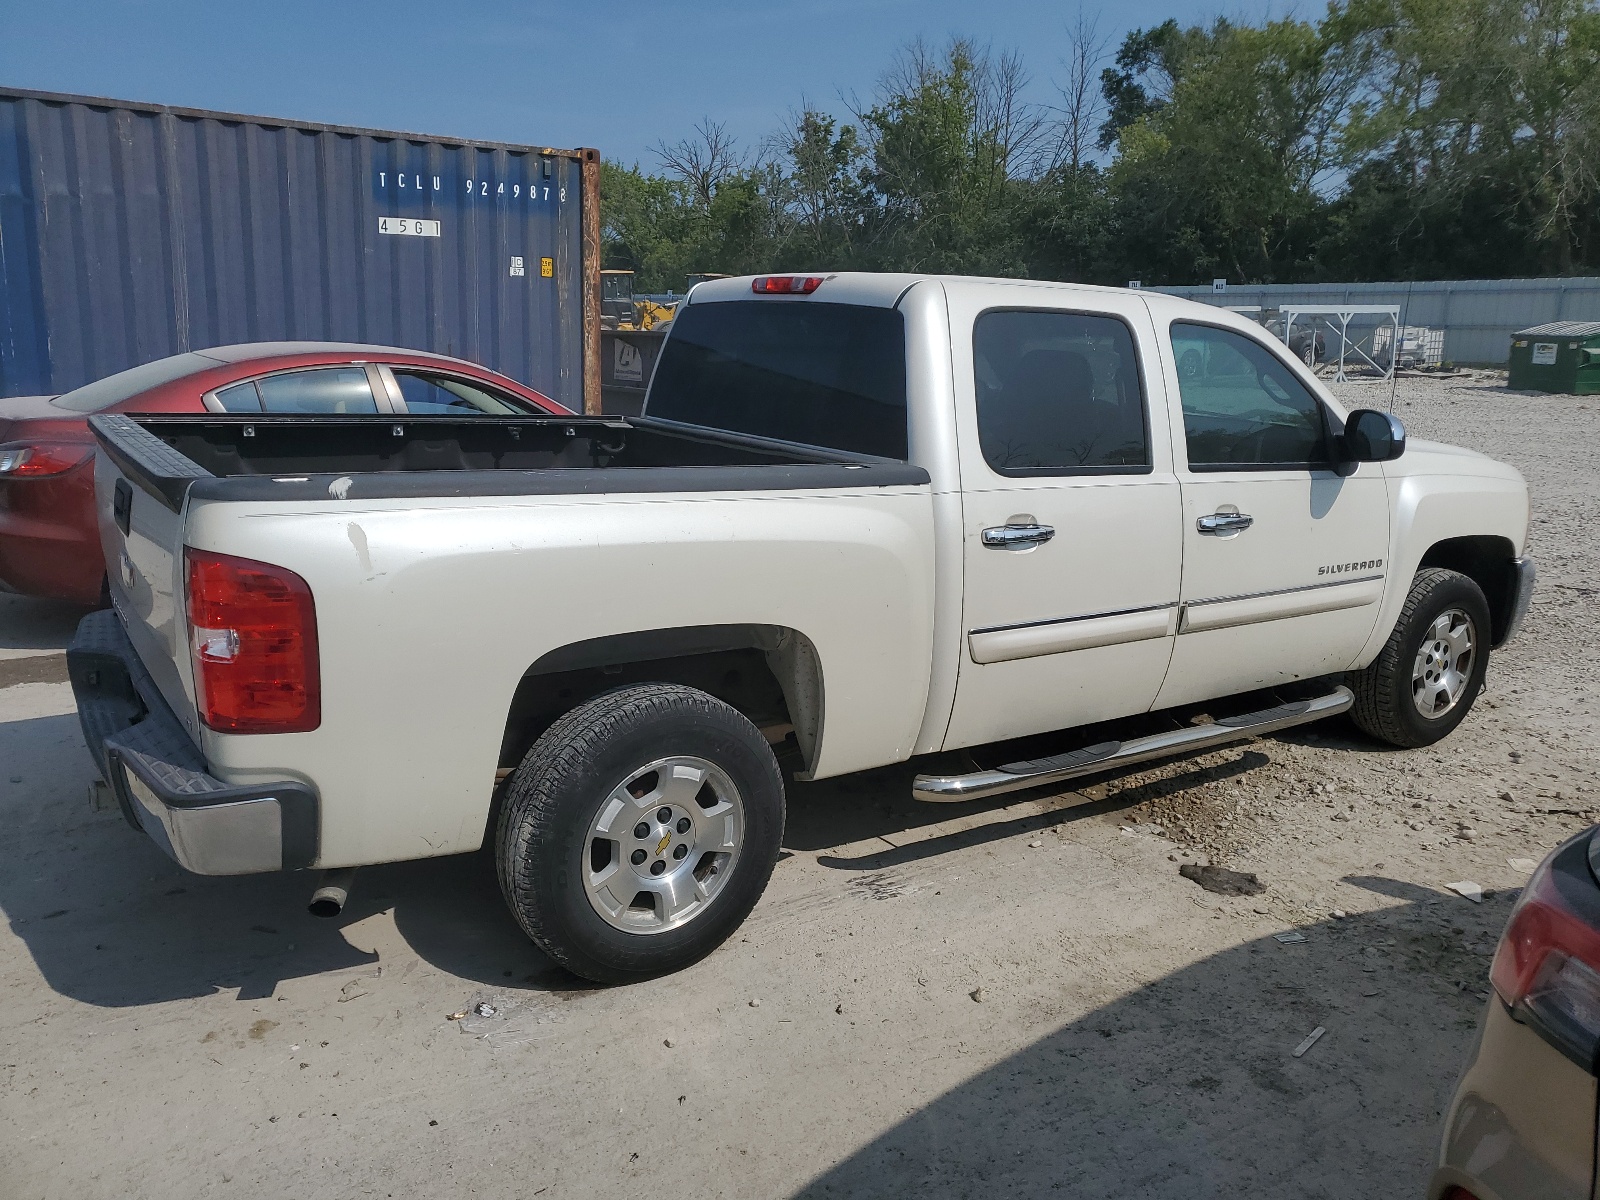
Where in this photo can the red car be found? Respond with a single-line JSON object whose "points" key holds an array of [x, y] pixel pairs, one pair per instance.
{"points": [[49, 545]]}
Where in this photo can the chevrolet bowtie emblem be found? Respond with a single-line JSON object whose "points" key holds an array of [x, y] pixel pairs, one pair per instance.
{"points": [[666, 840]]}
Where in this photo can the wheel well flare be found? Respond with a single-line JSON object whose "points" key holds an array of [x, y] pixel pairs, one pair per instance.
{"points": [[1487, 561], [769, 673]]}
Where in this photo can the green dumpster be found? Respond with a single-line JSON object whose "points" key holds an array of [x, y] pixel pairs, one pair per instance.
{"points": [[1560, 357]]}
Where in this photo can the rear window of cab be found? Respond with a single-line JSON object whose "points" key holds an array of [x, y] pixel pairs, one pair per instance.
{"points": [[831, 375]]}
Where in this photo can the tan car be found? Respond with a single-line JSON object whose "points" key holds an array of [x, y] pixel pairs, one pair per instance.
{"points": [[1522, 1124]]}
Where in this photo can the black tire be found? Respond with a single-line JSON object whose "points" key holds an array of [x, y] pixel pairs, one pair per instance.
{"points": [[542, 843], [1384, 706]]}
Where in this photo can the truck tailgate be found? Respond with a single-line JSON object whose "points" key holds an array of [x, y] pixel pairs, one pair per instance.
{"points": [[132, 678], [142, 538]]}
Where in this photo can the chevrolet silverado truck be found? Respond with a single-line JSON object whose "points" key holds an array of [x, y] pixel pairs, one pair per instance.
{"points": [[863, 518]]}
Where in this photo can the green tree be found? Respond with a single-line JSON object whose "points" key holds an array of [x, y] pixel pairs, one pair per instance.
{"points": [[647, 222], [1386, 139], [1140, 84], [947, 136], [1225, 175], [1488, 109], [822, 191]]}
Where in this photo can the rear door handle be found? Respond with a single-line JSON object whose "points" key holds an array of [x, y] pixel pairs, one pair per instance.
{"points": [[1219, 524], [1017, 537]]}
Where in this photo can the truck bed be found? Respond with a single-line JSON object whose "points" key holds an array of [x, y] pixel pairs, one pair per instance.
{"points": [[451, 560], [299, 457]]}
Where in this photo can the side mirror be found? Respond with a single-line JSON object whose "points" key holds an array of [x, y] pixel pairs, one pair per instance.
{"points": [[1373, 436]]}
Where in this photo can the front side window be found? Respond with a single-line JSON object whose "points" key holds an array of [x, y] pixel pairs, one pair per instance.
{"points": [[1242, 407], [340, 391], [829, 375], [447, 396], [1058, 393]]}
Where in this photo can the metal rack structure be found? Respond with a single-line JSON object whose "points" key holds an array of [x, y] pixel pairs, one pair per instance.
{"points": [[1338, 318]]}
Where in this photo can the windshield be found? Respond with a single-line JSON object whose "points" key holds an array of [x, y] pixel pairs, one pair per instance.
{"points": [[114, 389], [829, 375]]}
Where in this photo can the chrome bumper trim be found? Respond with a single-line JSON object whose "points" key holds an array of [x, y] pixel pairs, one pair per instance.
{"points": [[162, 781], [237, 837]]}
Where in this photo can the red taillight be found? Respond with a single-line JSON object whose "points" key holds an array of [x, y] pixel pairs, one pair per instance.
{"points": [[30, 460], [1547, 966], [253, 638], [785, 285]]}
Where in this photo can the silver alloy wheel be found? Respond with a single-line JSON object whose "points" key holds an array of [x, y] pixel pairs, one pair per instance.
{"points": [[663, 844], [1444, 663]]}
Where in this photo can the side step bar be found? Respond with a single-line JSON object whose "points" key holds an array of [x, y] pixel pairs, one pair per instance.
{"points": [[1108, 756]]}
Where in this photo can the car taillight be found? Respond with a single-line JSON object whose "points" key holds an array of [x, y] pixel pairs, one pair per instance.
{"points": [[785, 285], [1547, 966], [29, 460], [253, 639]]}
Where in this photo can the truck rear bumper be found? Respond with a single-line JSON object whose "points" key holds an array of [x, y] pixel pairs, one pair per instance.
{"points": [[158, 775]]}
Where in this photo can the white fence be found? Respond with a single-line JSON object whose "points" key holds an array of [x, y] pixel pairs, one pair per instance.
{"points": [[1478, 316]]}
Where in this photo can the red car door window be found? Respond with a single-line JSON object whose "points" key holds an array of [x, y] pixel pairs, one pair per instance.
{"points": [[342, 391], [425, 393]]}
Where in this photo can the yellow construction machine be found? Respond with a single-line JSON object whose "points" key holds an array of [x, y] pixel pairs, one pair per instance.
{"points": [[621, 309]]}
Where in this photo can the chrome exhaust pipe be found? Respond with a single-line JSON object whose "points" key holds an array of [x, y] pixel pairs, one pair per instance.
{"points": [[329, 898]]}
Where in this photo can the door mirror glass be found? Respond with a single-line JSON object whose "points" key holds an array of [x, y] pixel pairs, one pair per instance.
{"points": [[1373, 436]]}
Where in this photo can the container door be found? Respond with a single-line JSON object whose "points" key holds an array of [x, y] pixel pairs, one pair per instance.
{"points": [[1070, 513]]}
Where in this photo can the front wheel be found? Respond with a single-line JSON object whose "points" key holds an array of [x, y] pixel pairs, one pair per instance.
{"points": [[639, 831], [1429, 672]]}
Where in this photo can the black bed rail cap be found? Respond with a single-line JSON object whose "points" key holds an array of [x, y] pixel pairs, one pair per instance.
{"points": [[145, 459]]}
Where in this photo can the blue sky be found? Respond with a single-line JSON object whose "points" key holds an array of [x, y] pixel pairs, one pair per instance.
{"points": [[620, 76]]}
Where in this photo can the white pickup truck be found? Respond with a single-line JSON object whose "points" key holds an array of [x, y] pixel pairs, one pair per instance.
{"points": [[864, 518]]}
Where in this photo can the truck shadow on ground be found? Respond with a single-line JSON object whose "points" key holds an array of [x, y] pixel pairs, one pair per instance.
{"points": [[878, 804], [30, 624], [1188, 1087], [110, 921]]}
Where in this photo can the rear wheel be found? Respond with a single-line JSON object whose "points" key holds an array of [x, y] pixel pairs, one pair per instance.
{"points": [[640, 831], [1426, 677]]}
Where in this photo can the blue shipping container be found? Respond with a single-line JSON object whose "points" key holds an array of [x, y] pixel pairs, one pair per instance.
{"points": [[129, 232]]}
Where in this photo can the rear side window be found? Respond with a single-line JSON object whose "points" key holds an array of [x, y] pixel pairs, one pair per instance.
{"points": [[1242, 407], [830, 375], [241, 397], [1058, 394], [336, 390]]}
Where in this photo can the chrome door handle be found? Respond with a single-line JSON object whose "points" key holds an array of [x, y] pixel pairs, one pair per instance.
{"points": [[1017, 537], [1219, 524]]}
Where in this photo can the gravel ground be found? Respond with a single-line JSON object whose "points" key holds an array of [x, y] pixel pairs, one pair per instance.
{"points": [[942, 1001]]}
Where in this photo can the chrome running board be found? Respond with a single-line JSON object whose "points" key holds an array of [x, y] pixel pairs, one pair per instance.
{"points": [[1108, 756]]}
